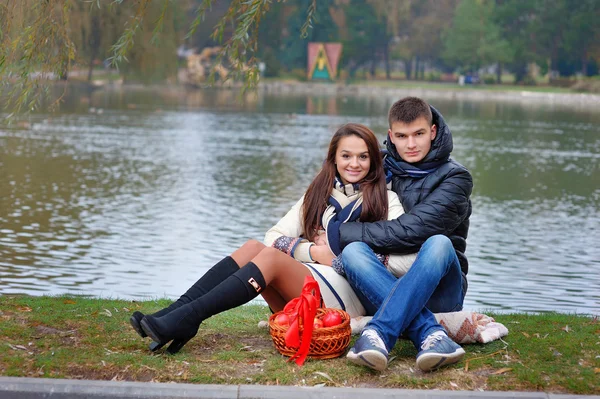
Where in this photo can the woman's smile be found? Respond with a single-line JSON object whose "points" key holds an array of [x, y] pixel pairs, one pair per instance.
{"points": [[352, 159]]}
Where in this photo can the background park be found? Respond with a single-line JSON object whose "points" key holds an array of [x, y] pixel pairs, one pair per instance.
{"points": [[129, 127]]}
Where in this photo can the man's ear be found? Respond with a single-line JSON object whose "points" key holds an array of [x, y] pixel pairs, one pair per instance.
{"points": [[433, 132]]}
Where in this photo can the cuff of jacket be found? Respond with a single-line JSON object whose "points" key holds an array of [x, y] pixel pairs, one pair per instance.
{"points": [[350, 232], [302, 252]]}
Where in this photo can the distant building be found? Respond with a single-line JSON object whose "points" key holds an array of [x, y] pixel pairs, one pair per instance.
{"points": [[323, 60]]}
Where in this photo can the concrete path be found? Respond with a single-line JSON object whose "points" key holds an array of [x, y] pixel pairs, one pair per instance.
{"points": [[37, 388]]}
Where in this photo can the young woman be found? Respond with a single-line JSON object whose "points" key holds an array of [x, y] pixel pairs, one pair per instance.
{"points": [[350, 186]]}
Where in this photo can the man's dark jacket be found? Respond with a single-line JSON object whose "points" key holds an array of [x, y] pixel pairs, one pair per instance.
{"points": [[438, 203]]}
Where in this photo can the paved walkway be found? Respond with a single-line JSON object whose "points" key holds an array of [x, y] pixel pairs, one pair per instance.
{"points": [[37, 388]]}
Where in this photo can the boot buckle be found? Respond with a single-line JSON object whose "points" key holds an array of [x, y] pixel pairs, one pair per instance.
{"points": [[253, 283]]}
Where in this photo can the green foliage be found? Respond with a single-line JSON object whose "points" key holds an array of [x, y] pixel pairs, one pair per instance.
{"points": [[367, 36], [293, 49], [152, 58], [474, 40], [35, 45], [43, 41], [584, 42], [489, 79], [433, 76], [549, 32]]}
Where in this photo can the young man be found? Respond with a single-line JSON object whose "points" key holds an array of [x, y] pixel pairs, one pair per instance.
{"points": [[435, 192]]}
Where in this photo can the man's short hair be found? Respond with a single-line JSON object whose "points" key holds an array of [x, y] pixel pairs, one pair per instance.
{"points": [[409, 109]]}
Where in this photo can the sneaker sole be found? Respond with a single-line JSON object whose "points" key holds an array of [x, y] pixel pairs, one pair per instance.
{"points": [[432, 361], [372, 359]]}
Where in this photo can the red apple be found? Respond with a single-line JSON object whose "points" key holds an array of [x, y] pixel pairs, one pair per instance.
{"points": [[331, 319], [318, 323], [282, 319]]}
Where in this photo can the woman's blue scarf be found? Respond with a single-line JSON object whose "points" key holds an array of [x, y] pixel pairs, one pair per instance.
{"points": [[341, 215]]}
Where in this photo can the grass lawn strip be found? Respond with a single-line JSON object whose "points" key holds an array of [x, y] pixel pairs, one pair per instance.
{"points": [[81, 338]]}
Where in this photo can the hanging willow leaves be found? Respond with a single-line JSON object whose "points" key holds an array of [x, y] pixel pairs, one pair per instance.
{"points": [[36, 45]]}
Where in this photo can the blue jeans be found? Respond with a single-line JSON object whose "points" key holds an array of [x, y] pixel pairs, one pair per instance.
{"points": [[404, 305]]}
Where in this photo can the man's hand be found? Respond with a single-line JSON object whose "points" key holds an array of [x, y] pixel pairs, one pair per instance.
{"points": [[322, 254]]}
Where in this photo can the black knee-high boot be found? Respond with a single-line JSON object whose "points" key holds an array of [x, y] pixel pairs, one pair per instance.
{"points": [[213, 277], [181, 324]]}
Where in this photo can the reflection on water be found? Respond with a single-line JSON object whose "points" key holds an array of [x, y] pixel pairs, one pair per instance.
{"points": [[134, 194]]}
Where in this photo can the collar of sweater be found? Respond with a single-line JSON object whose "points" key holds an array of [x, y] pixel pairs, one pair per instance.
{"points": [[343, 198], [349, 189]]}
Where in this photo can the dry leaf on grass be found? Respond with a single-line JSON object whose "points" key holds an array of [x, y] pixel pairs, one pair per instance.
{"points": [[15, 347], [556, 353], [480, 357], [502, 370], [324, 375]]}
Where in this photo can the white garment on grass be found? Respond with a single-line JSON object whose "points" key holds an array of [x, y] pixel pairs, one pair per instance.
{"points": [[464, 327]]}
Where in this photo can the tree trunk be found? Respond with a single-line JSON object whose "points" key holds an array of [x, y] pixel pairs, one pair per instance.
{"points": [[408, 69], [386, 59], [499, 73], [95, 38], [584, 65], [90, 67], [417, 67], [352, 68], [373, 67], [520, 71]]}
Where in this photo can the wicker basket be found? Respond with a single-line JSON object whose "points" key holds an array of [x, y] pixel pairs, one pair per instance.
{"points": [[326, 342]]}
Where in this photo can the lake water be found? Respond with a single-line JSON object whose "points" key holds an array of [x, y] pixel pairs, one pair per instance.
{"points": [[134, 194]]}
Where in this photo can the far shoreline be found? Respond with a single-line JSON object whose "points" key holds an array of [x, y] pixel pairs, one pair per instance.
{"points": [[445, 92], [536, 95]]}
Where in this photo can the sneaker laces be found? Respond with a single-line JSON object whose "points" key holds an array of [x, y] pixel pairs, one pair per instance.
{"points": [[374, 338], [432, 339]]}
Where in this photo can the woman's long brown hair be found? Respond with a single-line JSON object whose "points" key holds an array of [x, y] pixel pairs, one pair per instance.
{"points": [[374, 192]]}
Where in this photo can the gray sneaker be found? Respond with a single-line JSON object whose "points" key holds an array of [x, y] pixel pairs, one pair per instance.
{"points": [[438, 350], [369, 350]]}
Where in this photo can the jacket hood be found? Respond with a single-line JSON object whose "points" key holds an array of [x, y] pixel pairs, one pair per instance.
{"points": [[440, 148]]}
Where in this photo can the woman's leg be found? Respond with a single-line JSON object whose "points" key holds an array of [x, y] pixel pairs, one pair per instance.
{"points": [[247, 251], [286, 276], [213, 277], [244, 255], [269, 268]]}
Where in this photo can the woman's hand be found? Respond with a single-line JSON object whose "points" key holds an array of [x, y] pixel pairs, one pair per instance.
{"points": [[322, 254], [320, 239]]}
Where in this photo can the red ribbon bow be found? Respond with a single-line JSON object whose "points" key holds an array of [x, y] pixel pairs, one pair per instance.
{"points": [[302, 308]]}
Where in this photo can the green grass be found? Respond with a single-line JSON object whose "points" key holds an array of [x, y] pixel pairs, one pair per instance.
{"points": [[73, 337]]}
